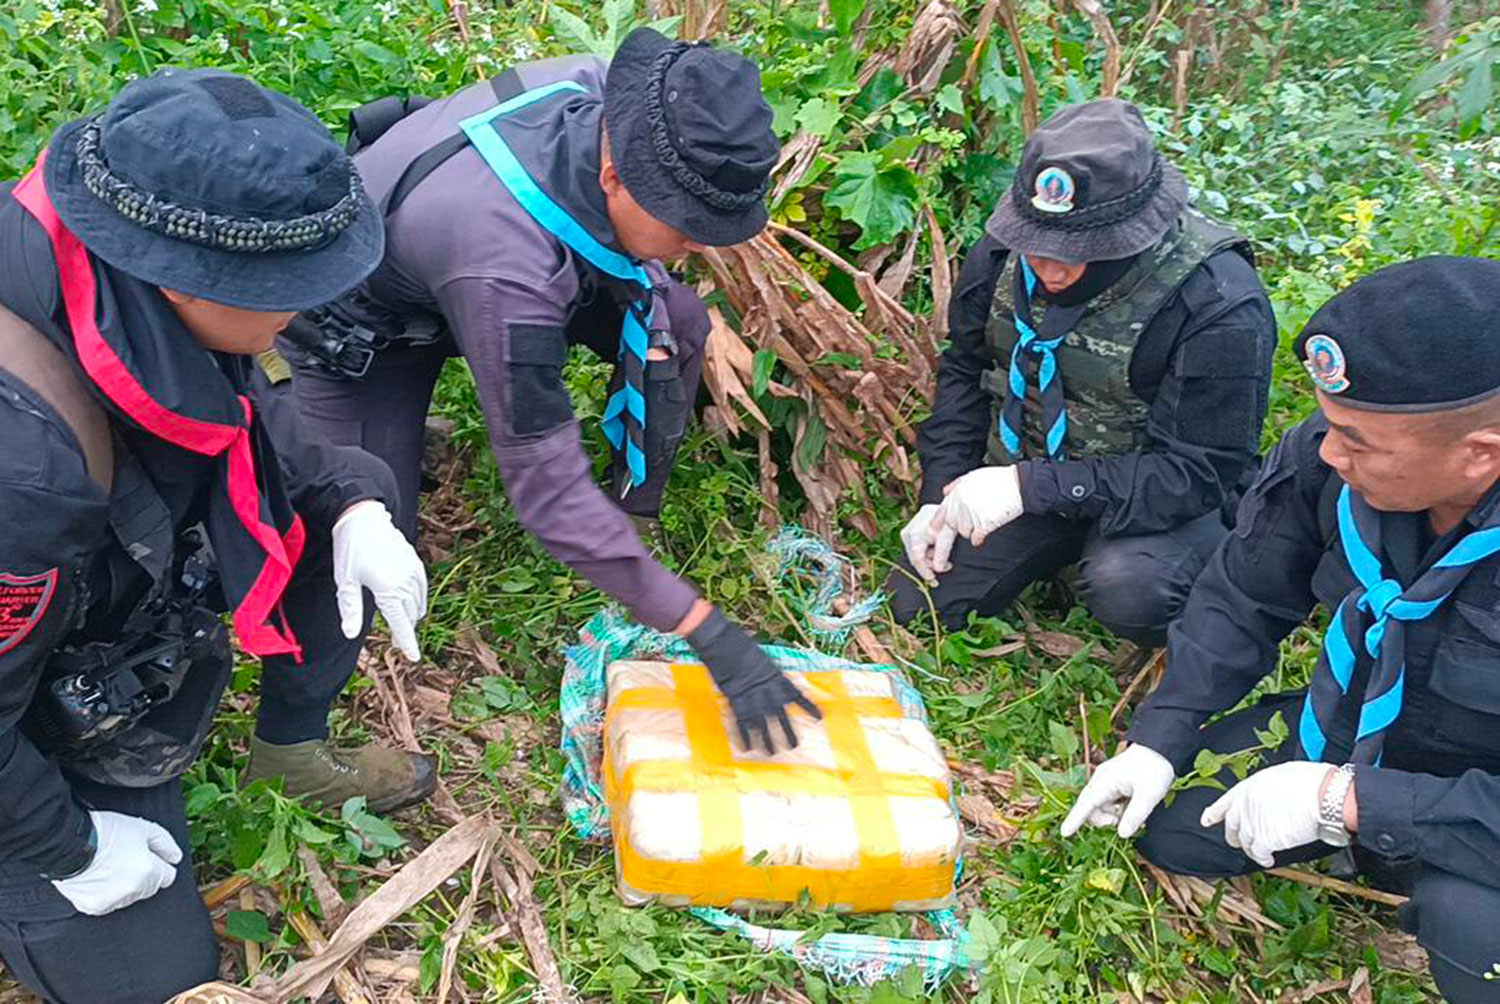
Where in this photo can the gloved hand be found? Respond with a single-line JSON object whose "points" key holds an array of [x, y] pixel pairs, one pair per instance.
{"points": [[1124, 790], [928, 548], [370, 553], [1272, 810], [756, 690], [980, 502], [134, 859]]}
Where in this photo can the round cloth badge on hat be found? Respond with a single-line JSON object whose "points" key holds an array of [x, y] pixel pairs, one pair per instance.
{"points": [[1324, 362], [1054, 191]]}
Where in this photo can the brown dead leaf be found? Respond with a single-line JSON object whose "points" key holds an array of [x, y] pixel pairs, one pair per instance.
{"points": [[1399, 950], [981, 812], [1058, 644], [330, 903], [217, 993], [1360, 991], [1002, 782], [475, 645]]}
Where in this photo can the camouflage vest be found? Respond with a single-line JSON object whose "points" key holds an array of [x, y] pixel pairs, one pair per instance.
{"points": [[1105, 416]]}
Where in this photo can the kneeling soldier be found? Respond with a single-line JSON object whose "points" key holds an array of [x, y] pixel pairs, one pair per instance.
{"points": [[1384, 508], [149, 482], [1103, 392]]}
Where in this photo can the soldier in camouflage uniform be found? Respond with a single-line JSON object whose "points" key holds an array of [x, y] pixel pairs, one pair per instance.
{"points": [[1103, 392]]}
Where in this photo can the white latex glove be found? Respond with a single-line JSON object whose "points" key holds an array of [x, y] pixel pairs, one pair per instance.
{"points": [[134, 860], [370, 553], [1272, 810], [1124, 790], [980, 502], [927, 547]]}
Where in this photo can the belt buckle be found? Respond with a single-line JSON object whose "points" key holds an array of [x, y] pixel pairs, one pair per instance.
{"points": [[354, 359]]}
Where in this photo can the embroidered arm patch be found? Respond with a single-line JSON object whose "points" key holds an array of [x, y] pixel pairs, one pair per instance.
{"points": [[24, 600]]}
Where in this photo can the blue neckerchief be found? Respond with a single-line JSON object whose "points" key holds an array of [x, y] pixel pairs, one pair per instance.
{"points": [[624, 419], [1049, 385], [1375, 612]]}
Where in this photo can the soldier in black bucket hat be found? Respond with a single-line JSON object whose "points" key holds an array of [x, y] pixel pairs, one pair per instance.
{"points": [[150, 483], [527, 214], [1103, 392]]}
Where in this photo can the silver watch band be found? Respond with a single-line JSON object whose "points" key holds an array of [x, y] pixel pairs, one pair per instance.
{"points": [[1331, 808]]}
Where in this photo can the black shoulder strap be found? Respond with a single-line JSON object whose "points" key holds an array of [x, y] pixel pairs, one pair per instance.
{"points": [[506, 86]]}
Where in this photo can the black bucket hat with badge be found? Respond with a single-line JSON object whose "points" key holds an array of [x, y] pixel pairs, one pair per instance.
{"points": [[1091, 187], [691, 136], [205, 182]]}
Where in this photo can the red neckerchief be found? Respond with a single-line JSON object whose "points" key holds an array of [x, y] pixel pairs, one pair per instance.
{"points": [[258, 606]]}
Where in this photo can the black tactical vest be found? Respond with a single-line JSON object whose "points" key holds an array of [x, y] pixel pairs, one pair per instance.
{"points": [[1105, 416]]}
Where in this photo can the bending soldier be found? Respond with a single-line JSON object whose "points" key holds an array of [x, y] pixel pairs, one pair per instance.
{"points": [[529, 213]]}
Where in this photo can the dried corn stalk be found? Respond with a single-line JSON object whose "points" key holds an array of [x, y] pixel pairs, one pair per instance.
{"points": [[866, 409]]}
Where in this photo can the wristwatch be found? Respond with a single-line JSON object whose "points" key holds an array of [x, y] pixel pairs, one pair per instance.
{"points": [[1331, 807]]}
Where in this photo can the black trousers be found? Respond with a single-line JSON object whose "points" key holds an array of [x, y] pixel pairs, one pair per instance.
{"points": [[1134, 586], [385, 411], [1457, 919], [143, 954], [295, 698]]}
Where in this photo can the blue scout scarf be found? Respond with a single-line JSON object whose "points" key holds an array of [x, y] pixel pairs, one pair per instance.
{"points": [[625, 414], [1049, 383], [1375, 614]]}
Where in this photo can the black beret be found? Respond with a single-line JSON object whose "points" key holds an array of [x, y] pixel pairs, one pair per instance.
{"points": [[1423, 335]]}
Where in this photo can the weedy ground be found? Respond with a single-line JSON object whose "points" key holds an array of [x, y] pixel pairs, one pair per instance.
{"points": [[1330, 131]]}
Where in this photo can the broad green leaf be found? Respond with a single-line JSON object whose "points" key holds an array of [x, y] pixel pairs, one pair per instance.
{"points": [[1064, 740], [641, 955], [996, 87], [1477, 93], [576, 33], [951, 99], [819, 116], [1110, 880], [814, 439], [765, 363], [845, 13], [618, 14], [882, 201], [248, 925], [277, 857], [377, 52]]}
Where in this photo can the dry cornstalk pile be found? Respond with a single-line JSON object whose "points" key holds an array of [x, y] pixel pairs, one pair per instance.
{"points": [[867, 409]]}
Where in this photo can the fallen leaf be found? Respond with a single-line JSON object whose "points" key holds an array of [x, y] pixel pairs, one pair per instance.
{"points": [[1359, 987], [1399, 950], [1057, 644], [981, 812]]}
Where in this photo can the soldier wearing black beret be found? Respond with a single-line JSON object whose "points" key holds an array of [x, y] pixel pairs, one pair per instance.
{"points": [[1384, 508]]}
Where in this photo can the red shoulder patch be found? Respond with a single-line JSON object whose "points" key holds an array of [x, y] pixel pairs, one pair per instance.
{"points": [[23, 601]]}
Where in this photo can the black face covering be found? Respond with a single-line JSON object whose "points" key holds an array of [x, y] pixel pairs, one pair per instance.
{"points": [[1096, 278]]}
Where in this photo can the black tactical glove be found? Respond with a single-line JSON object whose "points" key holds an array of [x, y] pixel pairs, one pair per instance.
{"points": [[755, 688]]}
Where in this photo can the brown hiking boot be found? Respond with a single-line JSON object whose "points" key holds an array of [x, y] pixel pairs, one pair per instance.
{"points": [[389, 779]]}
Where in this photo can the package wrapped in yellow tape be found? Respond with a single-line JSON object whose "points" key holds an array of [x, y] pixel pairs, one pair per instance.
{"points": [[858, 816]]}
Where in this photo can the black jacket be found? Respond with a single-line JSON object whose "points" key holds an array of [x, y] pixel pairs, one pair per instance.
{"points": [[1203, 364], [1436, 795], [55, 526]]}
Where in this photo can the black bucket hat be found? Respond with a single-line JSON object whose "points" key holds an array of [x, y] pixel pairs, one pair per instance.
{"points": [[209, 184], [1091, 187], [691, 136]]}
